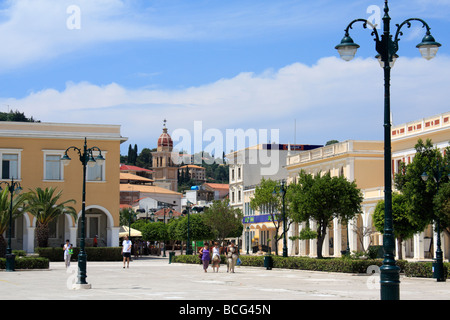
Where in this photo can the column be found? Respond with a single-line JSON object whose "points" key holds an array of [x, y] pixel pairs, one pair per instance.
{"points": [[28, 240], [312, 242], [73, 235], [352, 236], [337, 237], [419, 246], [113, 236]]}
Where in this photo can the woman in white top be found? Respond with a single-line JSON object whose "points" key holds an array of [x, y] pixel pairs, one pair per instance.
{"points": [[216, 257], [67, 253]]}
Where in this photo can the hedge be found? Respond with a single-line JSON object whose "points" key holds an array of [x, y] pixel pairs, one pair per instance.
{"points": [[21, 262], [344, 265], [93, 253]]}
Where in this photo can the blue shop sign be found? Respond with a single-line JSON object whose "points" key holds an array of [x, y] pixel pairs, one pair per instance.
{"points": [[258, 219]]}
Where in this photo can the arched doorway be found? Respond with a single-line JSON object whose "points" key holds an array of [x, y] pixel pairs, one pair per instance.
{"points": [[99, 224]]}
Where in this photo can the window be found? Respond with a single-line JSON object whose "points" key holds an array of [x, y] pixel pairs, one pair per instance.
{"points": [[97, 172], [53, 167], [10, 166]]}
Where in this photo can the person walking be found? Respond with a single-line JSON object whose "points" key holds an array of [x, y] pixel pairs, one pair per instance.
{"points": [[232, 257], [67, 253], [206, 256], [216, 257], [126, 251]]}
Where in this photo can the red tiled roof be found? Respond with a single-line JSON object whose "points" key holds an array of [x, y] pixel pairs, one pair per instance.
{"points": [[218, 185], [161, 212], [126, 167]]}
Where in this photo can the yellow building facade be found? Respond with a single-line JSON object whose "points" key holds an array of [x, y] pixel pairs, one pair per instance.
{"points": [[359, 161], [363, 162], [31, 154]]}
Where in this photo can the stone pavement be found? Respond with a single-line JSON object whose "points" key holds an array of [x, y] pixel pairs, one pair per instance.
{"points": [[153, 278]]}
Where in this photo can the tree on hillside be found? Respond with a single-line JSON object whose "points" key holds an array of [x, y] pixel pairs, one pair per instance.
{"points": [[323, 198], [15, 116], [144, 159]]}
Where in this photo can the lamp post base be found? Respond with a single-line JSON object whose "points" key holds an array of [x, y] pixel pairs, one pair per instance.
{"points": [[438, 271], [10, 262], [80, 286]]}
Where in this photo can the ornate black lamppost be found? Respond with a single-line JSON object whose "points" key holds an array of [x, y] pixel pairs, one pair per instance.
{"points": [[87, 158], [170, 216], [438, 264], [248, 238], [387, 47], [188, 244], [282, 191], [13, 188]]}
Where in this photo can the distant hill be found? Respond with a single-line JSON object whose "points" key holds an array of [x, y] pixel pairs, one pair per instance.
{"points": [[16, 116]]}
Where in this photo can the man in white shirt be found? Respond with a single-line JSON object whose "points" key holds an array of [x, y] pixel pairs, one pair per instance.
{"points": [[126, 251]]}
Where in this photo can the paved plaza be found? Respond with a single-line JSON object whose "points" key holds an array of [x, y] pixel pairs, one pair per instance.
{"points": [[153, 278]]}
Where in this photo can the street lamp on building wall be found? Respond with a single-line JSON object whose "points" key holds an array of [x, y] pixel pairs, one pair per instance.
{"points": [[438, 264], [13, 188], [87, 159], [387, 47]]}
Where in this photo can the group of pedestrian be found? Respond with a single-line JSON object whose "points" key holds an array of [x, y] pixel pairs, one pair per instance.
{"points": [[206, 254], [212, 256]]}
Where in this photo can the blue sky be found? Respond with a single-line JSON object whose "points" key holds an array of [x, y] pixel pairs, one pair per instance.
{"points": [[251, 64]]}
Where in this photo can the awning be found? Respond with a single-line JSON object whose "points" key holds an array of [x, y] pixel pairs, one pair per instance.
{"points": [[124, 231]]}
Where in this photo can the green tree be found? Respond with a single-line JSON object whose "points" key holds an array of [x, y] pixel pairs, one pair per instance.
{"points": [[5, 206], [266, 201], [323, 198], [44, 205], [423, 201], [223, 220], [144, 159], [172, 232], [404, 227], [127, 216], [198, 230], [15, 116], [155, 231], [442, 203]]}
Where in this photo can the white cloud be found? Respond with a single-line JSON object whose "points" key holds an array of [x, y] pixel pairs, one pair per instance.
{"points": [[332, 99], [35, 30]]}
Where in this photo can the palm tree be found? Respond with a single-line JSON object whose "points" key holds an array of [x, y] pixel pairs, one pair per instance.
{"points": [[44, 206], [5, 206]]}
